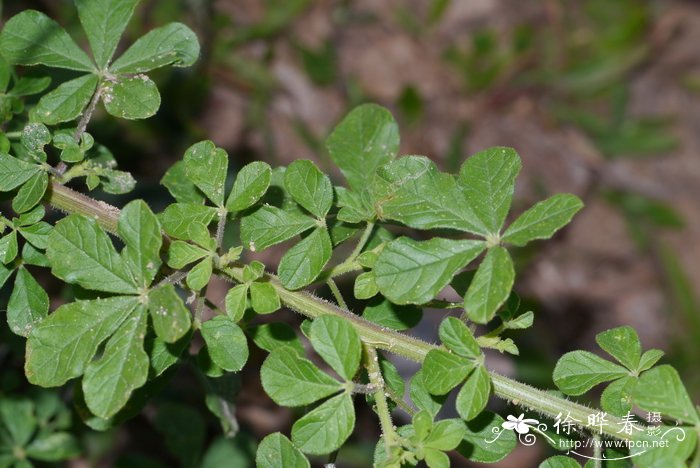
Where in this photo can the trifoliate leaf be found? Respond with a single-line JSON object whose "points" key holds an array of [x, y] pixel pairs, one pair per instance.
{"points": [[474, 394], [199, 275], [275, 450], [661, 389], [409, 271], [491, 285], [104, 22], [443, 371], [61, 346], [123, 367], [53, 447], [367, 138], [326, 428], [458, 338], [291, 380], [28, 303], [412, 191], [302, 264], [579, 371], [180, 186], [32, 38], [269, 225], [226, 343], [273, 335], [173, 44], [543, 220], [235, 302], [140, 230], [264, 298], [182, 253], [387, 314], [132, 98], [206, 166], [170, 316], [66, 102], [14, 172], [81, 253], [338, 343], [309, 187], [251, 183], [622, 343], [488, 182], [31, 193], [178, 217]]}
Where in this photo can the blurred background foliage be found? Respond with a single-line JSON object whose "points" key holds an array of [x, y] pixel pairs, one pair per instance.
{"points": [[599, 97]]}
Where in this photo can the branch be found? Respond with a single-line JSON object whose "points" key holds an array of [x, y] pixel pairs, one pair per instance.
{"points": [[372, 335]]}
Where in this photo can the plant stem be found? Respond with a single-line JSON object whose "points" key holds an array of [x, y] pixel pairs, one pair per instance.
{"points": [[349, 264], [336, 293], [374, 373], [372, 335], [220, 228]]}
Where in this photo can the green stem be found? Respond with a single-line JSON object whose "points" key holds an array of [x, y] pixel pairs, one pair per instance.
{"points": [[372, 335], [391, 438], [349, 264], [337, 294]]}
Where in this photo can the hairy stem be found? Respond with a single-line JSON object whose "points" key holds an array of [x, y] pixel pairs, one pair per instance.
{"points": [[374, 373], [336, 293], [372, 335]]}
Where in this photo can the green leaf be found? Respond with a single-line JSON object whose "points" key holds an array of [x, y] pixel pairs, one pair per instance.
{"points": [[180, 186], [81, 253], [478, 444], [17, 420], [617, 397], [409, 271], [387, 314], [275, 450], [251, 183], [199, 275], [173, 44], [412, 191], [559, 461], [61, 346], [671, 447], [8, 247], [123, 367], [31, 193], [443, 371], [474, 394], [622, 343], [34, 137], [53, 447], [32, 38], [226, 342], [291, 380], [181, 254], [179, 217], [271, 336], [104, 22], [309, 187], [206, 166], [488, 181], [163, 355], [139, 228], [365, 286], [458, 338], [14, 172], [436, 459], [491, 285], [170, 316], [66, 102], [28, 304], [131, 98], [29, 85], [445, 435], [269, 225], [367, 138], [326, 428], [422, 398], [37, 234], [579, 371], [338, 343], [649, 358], [661, 389], [264, 298], [302, 264], [235, 302], [543, 219]]}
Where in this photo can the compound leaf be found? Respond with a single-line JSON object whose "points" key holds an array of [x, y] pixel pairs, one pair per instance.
{"points": [[622, 343], [309, 187], [104, 22], [269, 225], [123, 367], [543, 219], [337, 342], [276, 450], [61, 346], [474, 394], [579, 371], [66, 102], [291, 380], [491, 285], [173, 44], [409, 271], [326, 428], [301, 264], [458, 338], [442, 371]]}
